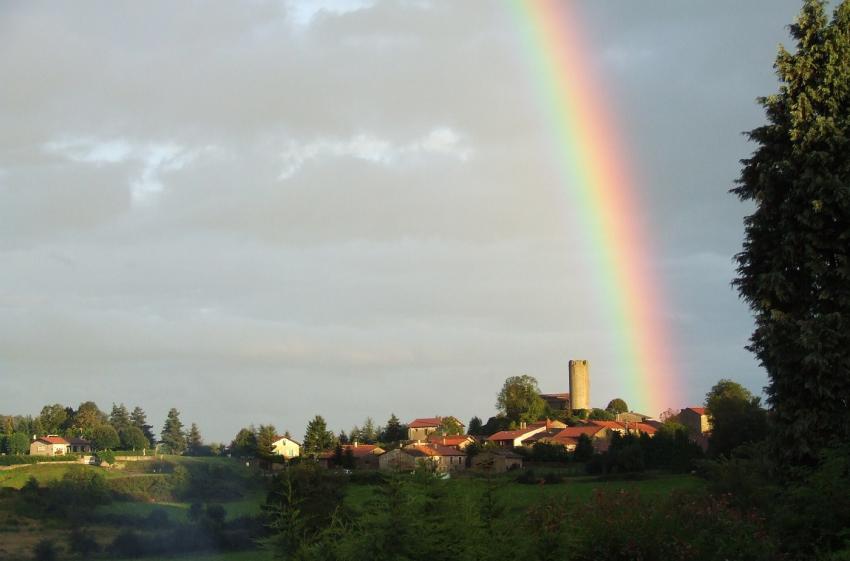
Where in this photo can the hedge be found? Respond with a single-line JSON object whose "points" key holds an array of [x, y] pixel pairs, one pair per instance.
{"points": [[16, 460]]}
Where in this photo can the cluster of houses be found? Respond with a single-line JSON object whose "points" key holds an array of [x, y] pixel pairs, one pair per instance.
{"points": [[426, 444], [447, 453]]}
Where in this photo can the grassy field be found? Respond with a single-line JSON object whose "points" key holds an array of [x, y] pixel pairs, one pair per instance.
{"points": [[177, 511], [16, 478]]}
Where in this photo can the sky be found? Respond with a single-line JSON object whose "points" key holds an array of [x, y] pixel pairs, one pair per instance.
{"points": [[259, 212]]}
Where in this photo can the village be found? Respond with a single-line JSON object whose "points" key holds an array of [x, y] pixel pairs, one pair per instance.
{"points": [[443, 444]]}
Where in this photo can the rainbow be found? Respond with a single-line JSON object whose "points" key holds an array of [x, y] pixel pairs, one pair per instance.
{"points": [[596, 172]]}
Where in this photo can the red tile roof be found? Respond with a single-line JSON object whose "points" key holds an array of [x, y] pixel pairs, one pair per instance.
{"points": [[357, 451], [53, 439], [425, 422], [698, 410], [447, 450], [448, 440], [511, 434], [420, 450], [575, 432]]}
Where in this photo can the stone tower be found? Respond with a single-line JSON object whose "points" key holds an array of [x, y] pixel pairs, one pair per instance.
{"points": [[579, 385]]}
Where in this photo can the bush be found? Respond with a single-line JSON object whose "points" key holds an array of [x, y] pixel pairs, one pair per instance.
{"points": [[106, 456], [127, 544], [81, 542], [16, 460], [45, 551]]}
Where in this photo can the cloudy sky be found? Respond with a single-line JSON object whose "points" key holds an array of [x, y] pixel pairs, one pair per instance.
{"points": [[257, 212]]}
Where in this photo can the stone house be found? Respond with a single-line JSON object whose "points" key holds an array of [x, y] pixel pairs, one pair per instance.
{"points": [[50, 445], [497, 461], [696, 419], [419, 429], [514, 438]]}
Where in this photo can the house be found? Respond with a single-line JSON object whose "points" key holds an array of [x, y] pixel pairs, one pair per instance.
{"points": [[286, 447], [79, 445], [440, 458], [569, 437], [626, 427], [631, 417], [365, 456], [696, 419], [557, 401], [514, 438], [459, 441], [50, 445], [497, 461], [397, 460], [419, 429]]}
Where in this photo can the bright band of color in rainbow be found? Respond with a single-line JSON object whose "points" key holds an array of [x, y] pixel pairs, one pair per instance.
{"points": [[596, 173]]}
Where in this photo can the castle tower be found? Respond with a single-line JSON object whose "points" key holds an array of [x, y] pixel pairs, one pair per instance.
{"points": [[579, 385]]}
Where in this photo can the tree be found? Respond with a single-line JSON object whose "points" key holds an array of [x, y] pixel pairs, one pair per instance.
{"points": [[597, 414], [368, 434], [132, 438], [519, 400], [475, 425], [616, 406], [140, 420], [172, 433], [736, 417], [317, 436], [104, 437], [119, 418], [794, 267], [394, 430], [450, 426], [245, 442], [86, 418], [266, 435], [53, 418], [18, 443], [584, 449], [194, 441]]}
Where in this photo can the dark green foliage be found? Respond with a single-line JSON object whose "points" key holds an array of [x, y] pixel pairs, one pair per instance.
{"points": [[736, 417], [450, 426], [245, 443], [106, 456], [584, 449], [317, 437], [53, 418], [545, 452], [81, 542], [494, 425], [794, 269], [194, 441], [27, 459], [600, 415], [519, 399], [475, 426], [18, 443], [104, 437], [266, 435], [172, 433], [132, 438], [140, 420], [86, 418], [119, 418], [45, 551], [394, 431], [617, 405]]}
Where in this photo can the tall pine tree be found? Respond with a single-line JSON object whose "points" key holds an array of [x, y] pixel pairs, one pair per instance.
{"points": [[172, 433], [139, 419], [317, 437], [794, 270]]}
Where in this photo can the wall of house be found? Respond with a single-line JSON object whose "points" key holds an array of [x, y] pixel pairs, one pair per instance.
{"points": [[420, 433]]}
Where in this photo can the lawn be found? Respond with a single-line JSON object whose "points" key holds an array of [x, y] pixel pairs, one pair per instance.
{"points": [[177, 511], [16, 478]]}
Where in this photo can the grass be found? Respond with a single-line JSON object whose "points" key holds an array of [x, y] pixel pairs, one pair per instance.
{"points": [[44, 473], [177, 511]]}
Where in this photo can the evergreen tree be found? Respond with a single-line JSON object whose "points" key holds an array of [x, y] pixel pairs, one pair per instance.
{"points": [[475, 425], [266, 435], [368, 434], [342, 438], [245, 442], [394, 430], [794, 269], [317, 437], [119, 418], [140, 420], [172, 433], [194, 441]]}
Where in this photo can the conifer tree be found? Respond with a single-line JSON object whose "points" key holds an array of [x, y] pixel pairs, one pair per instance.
{"points": [[317, 437], [266, 435], [394, 430], [119, 418], [140, 420], [172, 433], [194, 441], [794, 269]]}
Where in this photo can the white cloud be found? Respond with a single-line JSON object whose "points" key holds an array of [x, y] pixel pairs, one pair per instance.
{"points": [[302, 12], [441, 141]]}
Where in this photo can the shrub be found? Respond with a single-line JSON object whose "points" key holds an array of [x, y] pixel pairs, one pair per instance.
{"points": [[82, 543], [45, 551], [127, 544]]}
